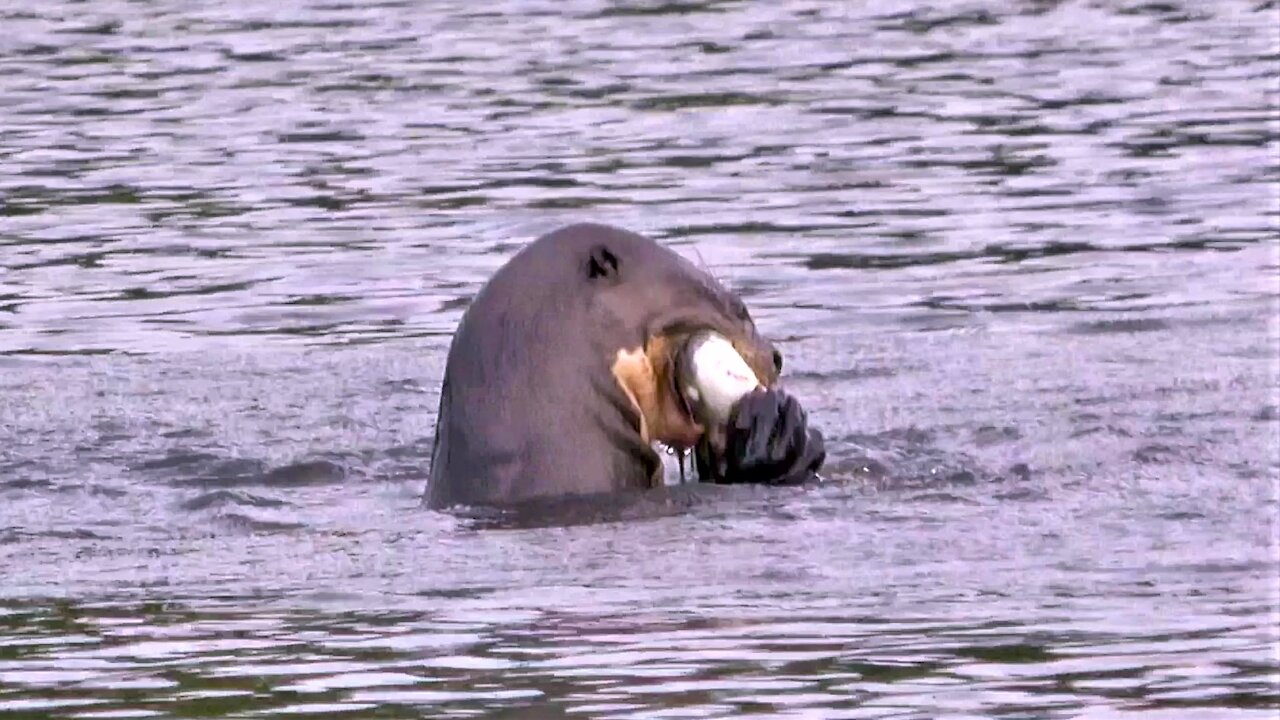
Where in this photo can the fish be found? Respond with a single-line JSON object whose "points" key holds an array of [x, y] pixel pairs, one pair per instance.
{"points": [[713, 377]]}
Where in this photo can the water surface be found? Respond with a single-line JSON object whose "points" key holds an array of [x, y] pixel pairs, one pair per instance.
{"points": [[1022, 258]]}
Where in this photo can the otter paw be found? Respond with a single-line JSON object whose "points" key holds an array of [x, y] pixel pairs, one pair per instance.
{"points": [[768, 441]]}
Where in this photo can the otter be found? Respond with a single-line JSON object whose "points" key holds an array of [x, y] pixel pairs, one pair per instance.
{"points": [[560, 379]]}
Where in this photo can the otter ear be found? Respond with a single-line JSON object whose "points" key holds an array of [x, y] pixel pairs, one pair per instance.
{"points": [[602, 264]]}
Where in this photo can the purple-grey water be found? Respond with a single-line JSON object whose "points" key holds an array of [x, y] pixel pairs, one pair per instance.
{"points": [[1023, 258]]}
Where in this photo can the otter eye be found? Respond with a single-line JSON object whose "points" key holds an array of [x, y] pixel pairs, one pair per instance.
{"points": [[602, 263], [740, 309]]}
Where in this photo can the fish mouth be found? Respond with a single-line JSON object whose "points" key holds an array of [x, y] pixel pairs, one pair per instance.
{"points": [[681, 375], [672, 358], [647, 375], [708, 452], [657, 376], [695, 406]]}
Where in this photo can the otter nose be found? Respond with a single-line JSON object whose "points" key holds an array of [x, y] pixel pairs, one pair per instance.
{"points": [[777, 360]]}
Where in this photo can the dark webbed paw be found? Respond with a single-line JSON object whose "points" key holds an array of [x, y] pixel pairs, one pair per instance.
{"points": [[768, 441]]}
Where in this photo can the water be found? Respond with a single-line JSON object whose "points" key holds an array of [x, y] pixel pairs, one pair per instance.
{"points": [[1022, 257]]}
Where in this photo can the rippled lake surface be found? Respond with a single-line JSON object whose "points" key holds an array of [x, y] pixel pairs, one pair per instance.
{"points": [[1023, 257]]}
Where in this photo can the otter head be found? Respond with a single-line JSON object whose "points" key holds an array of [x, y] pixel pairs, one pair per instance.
{"points": [[664, 300], [562, 373]]}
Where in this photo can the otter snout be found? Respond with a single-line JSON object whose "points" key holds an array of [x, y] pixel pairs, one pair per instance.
{"points": [[762, 357]]}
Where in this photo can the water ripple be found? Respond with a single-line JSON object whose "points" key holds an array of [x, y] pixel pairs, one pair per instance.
{"points": [[1021, 257]]}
